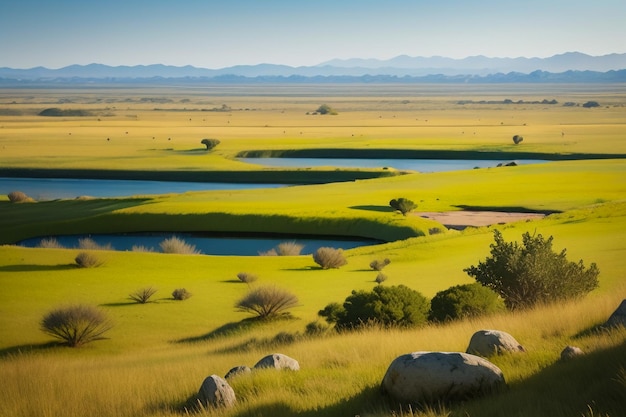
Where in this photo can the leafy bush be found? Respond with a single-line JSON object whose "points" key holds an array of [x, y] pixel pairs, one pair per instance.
{"points": [[469, 300], [18, 197], [377, 265], [210, 143], [179, 246], [142, 295], [532, 273], [76, 325], [403, 205], [181, 294], [326, 109], [267, 302], [380, 278], [247, 277], [87, 260], [387, 306], [50, 243], [329, 258]]}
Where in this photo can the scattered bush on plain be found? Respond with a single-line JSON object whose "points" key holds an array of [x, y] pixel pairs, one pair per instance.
{"points": [[267, 302], [326, 109], [386, 306], [141, 248], [380, 278], [517, 139], [247, 278], [403, 205], [50, 243], [531, 273], [88, 243], [329, 258], [461, 301], [284, 249], [142, 295], [210, 143], [76, 325], [178, 246], [18, 197], [88, 260], [378, 265], [181, 294]]}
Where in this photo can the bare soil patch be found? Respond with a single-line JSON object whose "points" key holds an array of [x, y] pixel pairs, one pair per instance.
{"points": [[466, 218]]}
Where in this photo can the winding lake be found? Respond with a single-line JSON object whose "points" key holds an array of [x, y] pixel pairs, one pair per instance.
{"points": [[208, 244]]}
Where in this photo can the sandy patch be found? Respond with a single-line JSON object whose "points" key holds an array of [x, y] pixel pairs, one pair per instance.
{"points": [[462, 219]]}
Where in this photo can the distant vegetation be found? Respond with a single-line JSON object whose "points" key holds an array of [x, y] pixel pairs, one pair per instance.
{"points": [[57, 112]]}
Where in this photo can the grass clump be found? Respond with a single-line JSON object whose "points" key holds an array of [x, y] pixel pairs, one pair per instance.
{"points": [[329, 258], [88, 260], [142, 295], [267, 302], [76, 325], [50, 243], [284, 249], [178, 246]]}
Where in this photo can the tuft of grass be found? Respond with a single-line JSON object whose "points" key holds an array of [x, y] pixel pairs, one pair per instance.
{"points": [[50, 243], [88, 260], [88, 243], [178, 246], [142, 295]]}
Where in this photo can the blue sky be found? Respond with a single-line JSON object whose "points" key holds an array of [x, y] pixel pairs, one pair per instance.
{"points": [[216, 34]]}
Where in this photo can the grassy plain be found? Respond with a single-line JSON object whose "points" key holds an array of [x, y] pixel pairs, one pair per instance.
{"points": [[159, 353]]}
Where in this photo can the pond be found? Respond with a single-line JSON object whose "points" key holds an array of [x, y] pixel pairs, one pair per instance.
{"points": [[54, 188], [420, 165], [208, 244]]}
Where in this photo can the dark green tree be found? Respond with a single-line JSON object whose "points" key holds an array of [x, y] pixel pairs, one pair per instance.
{"points": [[460, 301], [210, 143], [326, 109], [403, 205], [531, 273]]}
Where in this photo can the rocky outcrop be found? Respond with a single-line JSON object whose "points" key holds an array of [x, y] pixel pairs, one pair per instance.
{"points": [[432, 377], [493, 342], [216, 392], [278, 361]]}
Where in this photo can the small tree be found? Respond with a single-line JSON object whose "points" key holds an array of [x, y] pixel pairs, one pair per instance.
{"points": [[380, 278], [267, 302], [460, 301], [76, 325], [377, 265], [387, 306], [210, 143], [329, 258], [142, 295], [532, 273], [403, 205], [517, 139]]}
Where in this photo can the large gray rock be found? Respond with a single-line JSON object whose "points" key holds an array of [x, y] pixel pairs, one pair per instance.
{"points": [[216, 392], [492, 342], [618, 318], [430, 377], [278, 361]]}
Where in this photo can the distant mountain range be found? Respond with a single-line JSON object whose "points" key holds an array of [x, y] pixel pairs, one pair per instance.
{"points": [[568, 67]]}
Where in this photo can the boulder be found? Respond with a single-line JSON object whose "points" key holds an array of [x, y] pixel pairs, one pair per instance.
{"points": [[434, 377], [571, 352], [216, 392], [278, 361], [618, 318], [238, 370], [492, 342]]}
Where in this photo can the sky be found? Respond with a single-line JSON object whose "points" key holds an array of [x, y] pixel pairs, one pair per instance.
{"points": [[222, 33]]}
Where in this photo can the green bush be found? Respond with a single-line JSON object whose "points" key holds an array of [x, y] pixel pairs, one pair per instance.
{"points": [[387, 306], [403, 205], [460, 301], [142, 295], [326, 109], [531, 273], [329, 258], [267, 302], [210, 143], [87, 260], [76, 325]]}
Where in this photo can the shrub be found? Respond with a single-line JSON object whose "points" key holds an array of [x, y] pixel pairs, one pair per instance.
{"points": [[50, 243], [142, 248], [315, 328], [179, 246], [289, 248], [380, 278], [181, 294], [88, 243], [329, 258], [142, 295], [517, 139], [18, 197], [590, 104], [267, 302], [271, 252], [87, 260], [403, 205], [377, 265], [460, 301], [387, 306], [210, 143], [532, 273], [326, 109], [76, 325], [247, 277]]}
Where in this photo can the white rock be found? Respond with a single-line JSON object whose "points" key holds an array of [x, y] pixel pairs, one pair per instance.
{"points": [[278, 361], [492, 342]]}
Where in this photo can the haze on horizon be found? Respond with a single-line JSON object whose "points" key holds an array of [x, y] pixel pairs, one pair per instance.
{"points": [[217, 34]]}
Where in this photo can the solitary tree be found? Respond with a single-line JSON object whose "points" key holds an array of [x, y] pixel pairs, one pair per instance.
{"points": [[532, 273], [517, 139], [403, 205], [210, 143]]}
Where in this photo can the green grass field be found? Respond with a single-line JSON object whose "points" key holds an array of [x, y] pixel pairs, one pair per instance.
{"points": [[158, 354]]}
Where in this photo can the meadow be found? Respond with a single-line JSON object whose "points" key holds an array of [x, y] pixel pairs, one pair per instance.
{"points": [[155, 358]]}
